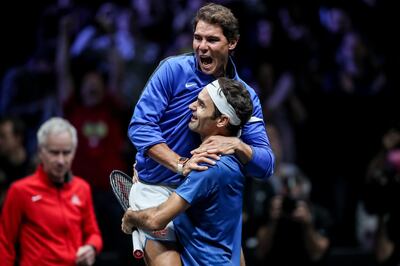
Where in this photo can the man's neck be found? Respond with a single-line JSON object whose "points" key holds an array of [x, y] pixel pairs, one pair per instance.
{"points": [[222, 132]]}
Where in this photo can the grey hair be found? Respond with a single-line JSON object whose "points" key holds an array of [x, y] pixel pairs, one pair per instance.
{"points": [[56, 125]]}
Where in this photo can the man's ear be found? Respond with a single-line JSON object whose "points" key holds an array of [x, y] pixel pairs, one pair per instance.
{"points": [[232, 44], [222, 121]]}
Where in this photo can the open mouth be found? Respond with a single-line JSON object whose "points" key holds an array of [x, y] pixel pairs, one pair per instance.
{"points": [[193, 118], [206, 60]]}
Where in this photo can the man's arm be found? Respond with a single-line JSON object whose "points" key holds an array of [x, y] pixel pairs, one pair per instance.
{"points": [[226, 145], [384, 247], [253, 150], [162, 154], [10, 222], [315, 243], [155, 218], [91, 232]]}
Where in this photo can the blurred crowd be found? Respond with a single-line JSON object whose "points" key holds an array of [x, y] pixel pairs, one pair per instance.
{"points": [[324, 73]]}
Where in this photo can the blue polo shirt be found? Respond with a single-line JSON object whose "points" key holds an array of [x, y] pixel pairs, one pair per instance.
{"points": [[162, 116], [210, 230]]}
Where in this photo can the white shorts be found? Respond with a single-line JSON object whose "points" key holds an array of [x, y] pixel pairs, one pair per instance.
{"points": [[143, 196]]}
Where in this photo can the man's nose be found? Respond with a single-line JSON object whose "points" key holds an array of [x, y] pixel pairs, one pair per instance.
{"points": [[192, 106], [203, 45], [60, 158]]}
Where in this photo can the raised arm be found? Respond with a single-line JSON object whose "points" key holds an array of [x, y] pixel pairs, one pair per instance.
{"points": [[155, 218], [64, 76]]}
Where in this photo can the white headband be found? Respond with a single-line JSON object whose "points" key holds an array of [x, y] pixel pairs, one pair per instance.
{"points": [[219, 99]]}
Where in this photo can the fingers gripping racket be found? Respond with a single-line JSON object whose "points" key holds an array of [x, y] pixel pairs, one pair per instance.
{"points": [[121, 185]]}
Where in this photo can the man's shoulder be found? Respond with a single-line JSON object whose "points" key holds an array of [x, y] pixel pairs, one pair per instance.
{"points": [[224, 164], [180, 59], [248, 87], [79, 181], [25, 183], [228, 160]]}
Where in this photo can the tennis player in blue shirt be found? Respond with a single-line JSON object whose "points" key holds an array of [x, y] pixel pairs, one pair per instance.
{"points": [[208, 204], [159, 131]]}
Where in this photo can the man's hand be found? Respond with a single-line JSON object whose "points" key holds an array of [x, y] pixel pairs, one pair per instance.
{"points": [[85, 256], [302, 213], [218, 145], [225, 145], [275, 210], [196, 159], [126, 226]]}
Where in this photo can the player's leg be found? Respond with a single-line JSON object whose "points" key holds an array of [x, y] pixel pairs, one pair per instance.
{"points": [[161, 246], [159, 253]]}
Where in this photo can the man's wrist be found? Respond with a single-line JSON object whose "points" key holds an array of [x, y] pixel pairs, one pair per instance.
{"points": [[181, 163], [243, 151]]}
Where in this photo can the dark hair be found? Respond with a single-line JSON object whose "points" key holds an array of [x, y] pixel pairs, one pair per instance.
{"points": [[239, 97], [18, 127], [221, 16]]}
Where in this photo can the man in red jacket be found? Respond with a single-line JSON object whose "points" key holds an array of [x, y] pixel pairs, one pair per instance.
{"points": [[50, 214]]}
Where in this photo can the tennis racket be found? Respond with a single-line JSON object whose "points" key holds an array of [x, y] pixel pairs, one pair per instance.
{"points": [[121, 185]]}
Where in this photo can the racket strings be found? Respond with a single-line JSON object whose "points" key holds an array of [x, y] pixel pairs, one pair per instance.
{"points": [[121, 185]]}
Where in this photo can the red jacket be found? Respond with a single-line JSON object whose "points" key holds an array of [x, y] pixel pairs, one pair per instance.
{"points": [[48, 222]]}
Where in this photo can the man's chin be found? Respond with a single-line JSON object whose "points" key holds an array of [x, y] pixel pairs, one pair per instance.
{"points": [[208, 70], [58, 177], [192, 127]]}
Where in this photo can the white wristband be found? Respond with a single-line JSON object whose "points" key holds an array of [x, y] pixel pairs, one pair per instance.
{"points": [[181, 163]]}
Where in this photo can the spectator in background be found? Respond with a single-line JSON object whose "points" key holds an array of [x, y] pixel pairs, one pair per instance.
{"points": [[50, 214], [294, 230], [29, 92], [111, 41], [15, 161], [93, 105], [381, 194], [358, 69], [107, 31]]}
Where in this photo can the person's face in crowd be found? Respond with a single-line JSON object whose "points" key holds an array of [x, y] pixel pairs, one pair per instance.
{"points": [[92, 90], [203, 121], [106, 16], [211, 48], [9, 142], [57, 156]]}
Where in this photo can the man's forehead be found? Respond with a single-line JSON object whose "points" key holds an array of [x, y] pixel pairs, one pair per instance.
{"points": [[205, 98], [208, 28], [203, 95]]}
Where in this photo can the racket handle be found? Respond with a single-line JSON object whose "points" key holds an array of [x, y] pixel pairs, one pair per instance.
{"points": [[137, 245]]}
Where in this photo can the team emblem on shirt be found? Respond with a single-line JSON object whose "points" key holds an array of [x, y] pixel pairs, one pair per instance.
{"points": [[36, 198], [76, 201], [190, 84]]}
